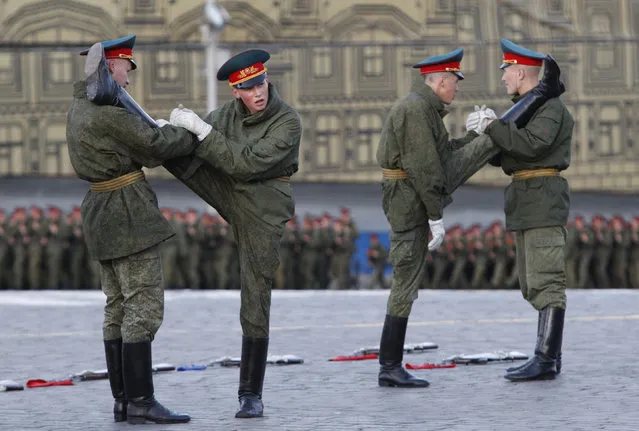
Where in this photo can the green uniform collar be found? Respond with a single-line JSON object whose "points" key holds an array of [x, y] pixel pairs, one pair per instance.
{"points": [[427, 93], [80, 90], [273, 106]]}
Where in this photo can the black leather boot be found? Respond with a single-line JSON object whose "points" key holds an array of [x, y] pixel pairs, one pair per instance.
{"points": [[138, 383], [113, 354], [525, 364], [391, 353], [543, 366], [252, 368]]}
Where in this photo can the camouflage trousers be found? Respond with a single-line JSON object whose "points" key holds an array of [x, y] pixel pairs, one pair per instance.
{"points": [[541, 265], [408, 257], [257, 212], [135, 296]]}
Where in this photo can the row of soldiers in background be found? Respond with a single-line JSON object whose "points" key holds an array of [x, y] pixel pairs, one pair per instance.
{"points": [[46, 250], [603, 255]]}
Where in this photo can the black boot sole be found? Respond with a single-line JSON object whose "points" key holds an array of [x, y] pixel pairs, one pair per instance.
{"points": [[139, 420], [546, 376], [390, 384], [241, 415]]}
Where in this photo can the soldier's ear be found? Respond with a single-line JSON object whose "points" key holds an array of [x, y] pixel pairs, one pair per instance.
{"points": [[236, 93]]}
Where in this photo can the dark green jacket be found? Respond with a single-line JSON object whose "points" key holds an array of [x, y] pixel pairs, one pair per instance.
{"points": [[413, 138], [543, 143], [106, 142]]}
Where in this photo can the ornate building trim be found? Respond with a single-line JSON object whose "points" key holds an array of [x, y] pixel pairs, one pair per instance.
{"points": [[59, 13]]}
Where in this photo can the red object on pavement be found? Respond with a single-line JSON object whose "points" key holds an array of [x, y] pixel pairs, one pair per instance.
{"points": [[429, 366], [353, 358], [39, 383]]}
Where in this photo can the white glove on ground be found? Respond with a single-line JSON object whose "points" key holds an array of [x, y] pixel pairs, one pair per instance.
{"points": [[182, 117], [437, 229], [161, 122]]}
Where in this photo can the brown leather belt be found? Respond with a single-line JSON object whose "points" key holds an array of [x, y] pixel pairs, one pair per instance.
{"points": [[117, 183], [394, 174], [534, 173]]}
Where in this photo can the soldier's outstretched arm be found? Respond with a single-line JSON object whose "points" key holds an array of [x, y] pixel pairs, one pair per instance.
{"points": [[153, 145], [245, 161]]}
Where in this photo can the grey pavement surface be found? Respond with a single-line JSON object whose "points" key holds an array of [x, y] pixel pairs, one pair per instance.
{"points": [[49, 335], [471, 204]]}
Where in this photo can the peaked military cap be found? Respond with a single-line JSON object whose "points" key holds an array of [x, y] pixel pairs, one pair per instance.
{"points": [[449, 62], [515, 54], [246, 69], [118, 48]]}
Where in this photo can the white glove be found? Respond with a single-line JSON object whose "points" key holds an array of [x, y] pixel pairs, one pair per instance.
{"points": [[486, 115], [161, 122], [437, 229], [182, 117], [472, 121], [479, 119]]}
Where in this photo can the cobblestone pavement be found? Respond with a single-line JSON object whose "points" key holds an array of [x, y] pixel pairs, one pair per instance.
{"points": [[50, 335]]}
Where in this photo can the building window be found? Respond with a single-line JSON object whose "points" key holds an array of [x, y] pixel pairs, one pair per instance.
{"points": [[604, 52], [60, 67], [369, 129], [167, 66], [372, 61], [7, 72], [443, 6], [11, 149], [144, 6], [322, 62], [329, 147], [555, 7]]}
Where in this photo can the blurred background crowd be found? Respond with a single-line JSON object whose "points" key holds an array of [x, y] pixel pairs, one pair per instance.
{"points": [[43, 248]]}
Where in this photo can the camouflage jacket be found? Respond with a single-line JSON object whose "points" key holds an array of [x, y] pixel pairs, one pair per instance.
{"points": [[106, 142], [543, 143], [413, 138]]}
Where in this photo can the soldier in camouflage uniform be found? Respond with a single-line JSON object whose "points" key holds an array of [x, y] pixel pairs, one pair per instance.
{"points": [[226, 256], [586, 244], [308, 254], [35, 250], [19, 240], [377, 255], [537, 204], [572, 253], [56, 239], [286, 272], [249, 150], [169, 252], [4, 250], [603, 251], [499, 249], [193, 249], [479, 257], [620, 252], [343, 246], [419, 174], [458, 277], [108, 147], [633, 261]]}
